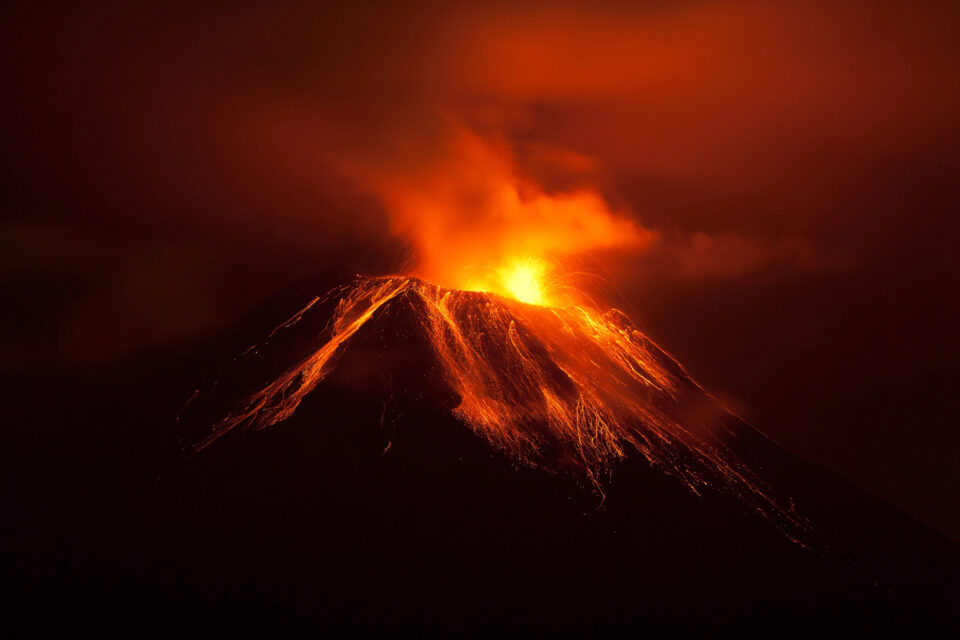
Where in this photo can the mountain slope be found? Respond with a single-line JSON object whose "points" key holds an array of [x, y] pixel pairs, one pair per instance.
{"points": [[566, 389], [376, 506]]}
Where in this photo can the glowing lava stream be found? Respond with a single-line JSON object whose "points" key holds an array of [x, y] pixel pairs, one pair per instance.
{"points": [[569, 389]]}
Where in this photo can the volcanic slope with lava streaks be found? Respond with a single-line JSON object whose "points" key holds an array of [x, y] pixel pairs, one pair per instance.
{"points": [[568, 389]]}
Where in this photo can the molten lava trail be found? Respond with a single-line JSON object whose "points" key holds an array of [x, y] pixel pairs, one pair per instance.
{"points": [[570, 389]]}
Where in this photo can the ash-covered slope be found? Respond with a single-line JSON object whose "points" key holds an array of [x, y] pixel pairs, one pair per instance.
{"points": [[368, 494]]}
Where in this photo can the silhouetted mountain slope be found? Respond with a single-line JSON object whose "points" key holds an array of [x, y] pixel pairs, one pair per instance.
{"points": [[373, 507]]}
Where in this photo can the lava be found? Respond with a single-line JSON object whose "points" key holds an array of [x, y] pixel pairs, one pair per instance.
{"points": [[524, 284], [523, 279], [565, 388]]}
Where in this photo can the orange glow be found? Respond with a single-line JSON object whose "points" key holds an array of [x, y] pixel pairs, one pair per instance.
{"points": [[523, 280], [571, 389], [476, 223]]}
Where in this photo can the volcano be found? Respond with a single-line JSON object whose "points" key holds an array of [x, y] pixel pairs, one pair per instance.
{"points": [[563, 389], [387, 455]]}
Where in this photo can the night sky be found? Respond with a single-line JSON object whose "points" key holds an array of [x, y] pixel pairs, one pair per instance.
{"points": [[793, 165]]}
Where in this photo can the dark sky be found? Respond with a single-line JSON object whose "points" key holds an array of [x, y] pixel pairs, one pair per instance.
{"points": [[166, 169]]}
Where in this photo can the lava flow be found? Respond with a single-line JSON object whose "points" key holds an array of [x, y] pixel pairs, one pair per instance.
{"points": [[566, 388]]}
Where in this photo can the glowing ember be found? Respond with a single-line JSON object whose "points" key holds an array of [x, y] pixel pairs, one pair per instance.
{"points": [[570, 389]]}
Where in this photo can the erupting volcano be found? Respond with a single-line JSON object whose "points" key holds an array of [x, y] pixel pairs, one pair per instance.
{"points": [[479, 437], [568, 389], [439, 454], [482, 421], [454, 319], [524, 358]]}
